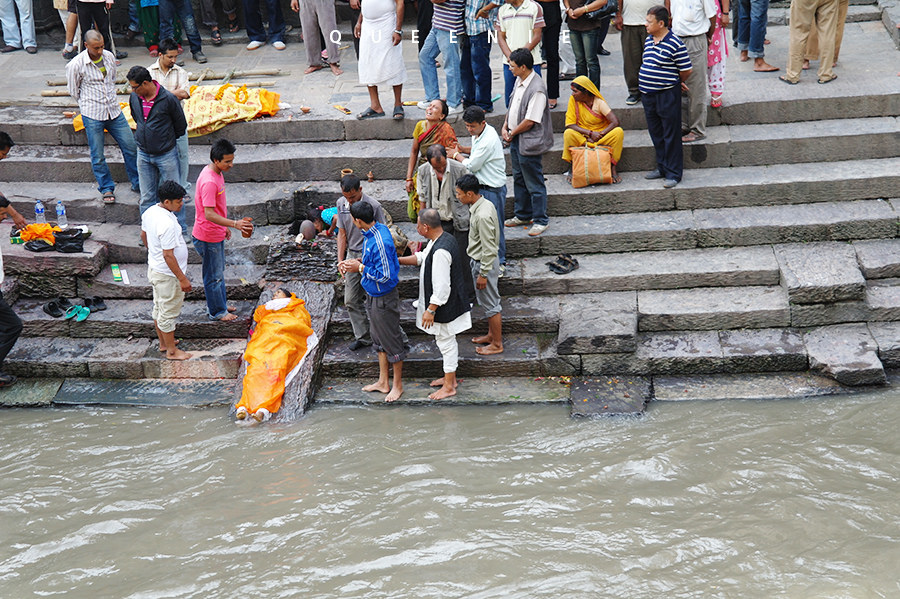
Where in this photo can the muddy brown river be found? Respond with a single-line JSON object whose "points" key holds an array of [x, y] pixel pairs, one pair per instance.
{"points": [[790, 498]]}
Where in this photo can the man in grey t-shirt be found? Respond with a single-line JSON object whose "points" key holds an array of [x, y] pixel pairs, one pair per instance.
{"points": [[349, 245]]}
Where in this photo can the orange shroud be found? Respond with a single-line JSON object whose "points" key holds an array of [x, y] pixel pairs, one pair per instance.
{"points": [[275, 348]]}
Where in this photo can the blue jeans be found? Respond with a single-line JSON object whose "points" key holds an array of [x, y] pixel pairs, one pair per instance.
{"points": [[585, 46], [154, 168], [529, 188], [253, 21], [12, 35], [439, 42], [183, 161], [213, 256], [168, 11], [752, 23], [509, 81], [497, 197], [121, 132], [134, 23], [475, 71]]}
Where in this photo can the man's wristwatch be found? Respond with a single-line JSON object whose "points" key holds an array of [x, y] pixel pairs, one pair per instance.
{"points": [[430, 311], [360, 267]]}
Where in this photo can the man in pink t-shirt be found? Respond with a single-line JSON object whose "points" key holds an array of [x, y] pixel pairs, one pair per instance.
{"points": [[212, 227]]}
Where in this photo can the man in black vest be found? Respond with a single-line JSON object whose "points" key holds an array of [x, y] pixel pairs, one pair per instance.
{"points": [[442, 309]]}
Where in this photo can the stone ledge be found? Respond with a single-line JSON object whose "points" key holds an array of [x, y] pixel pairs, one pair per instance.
{"points": [[713, 308], [847, 352], [878, 258], [819, 273]]}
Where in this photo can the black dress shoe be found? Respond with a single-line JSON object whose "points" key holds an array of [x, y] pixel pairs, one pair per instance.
{"points": [[7, 380], [7, 48], [603, 51], [357, 345], [120, 54]]}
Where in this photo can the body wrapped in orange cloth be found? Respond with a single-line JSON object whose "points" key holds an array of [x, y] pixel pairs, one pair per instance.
{"points": [[282, 339]]}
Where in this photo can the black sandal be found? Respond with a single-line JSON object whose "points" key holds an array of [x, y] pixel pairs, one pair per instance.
{"points": [[564, 264], [216, 37], [53, 309]]}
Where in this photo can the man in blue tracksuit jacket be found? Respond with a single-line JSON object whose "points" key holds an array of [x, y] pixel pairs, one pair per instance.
{"points": [[379, 274]]}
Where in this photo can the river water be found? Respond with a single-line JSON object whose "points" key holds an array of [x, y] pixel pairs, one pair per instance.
{"points": [[790, 498]]}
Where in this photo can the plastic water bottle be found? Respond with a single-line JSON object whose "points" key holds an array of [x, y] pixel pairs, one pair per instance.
{"points": [[39, 216], [61, 219]]}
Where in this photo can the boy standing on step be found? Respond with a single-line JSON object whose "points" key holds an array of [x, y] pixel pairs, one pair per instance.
{"points": [[212, 227], [379, 273], [484, 244], [167, 259]]}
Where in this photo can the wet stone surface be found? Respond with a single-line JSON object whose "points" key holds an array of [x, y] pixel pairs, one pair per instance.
{"points": [[745, 386], [471, 391], [28, 393], [147, 392], [602, 396], [847, 352]]}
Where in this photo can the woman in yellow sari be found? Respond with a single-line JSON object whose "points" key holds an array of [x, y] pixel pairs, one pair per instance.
{"points": [[590, 122], [433, 130]]}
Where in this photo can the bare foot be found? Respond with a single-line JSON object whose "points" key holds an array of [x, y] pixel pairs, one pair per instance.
{"points": [[312, 69], [805, 66], [228, 317], [489, 350], [482, 339], [744, 56], [440, 383], [178, 355], [336, 69], [761, 66], [443, 393], [163, 349], [394, 395], [232, 309], [377, 386]]}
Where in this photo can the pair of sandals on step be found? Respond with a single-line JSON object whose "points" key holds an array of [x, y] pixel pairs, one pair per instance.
{"points": [[564, 264]]}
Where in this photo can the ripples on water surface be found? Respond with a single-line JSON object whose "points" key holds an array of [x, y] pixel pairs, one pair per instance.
{"points": [[711, 499]]}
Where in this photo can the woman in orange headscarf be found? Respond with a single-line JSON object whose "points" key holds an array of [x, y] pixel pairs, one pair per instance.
{"points": [[590, 122]]}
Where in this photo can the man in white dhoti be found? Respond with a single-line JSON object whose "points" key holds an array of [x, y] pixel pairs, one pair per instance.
{"points": [[442, 308], [380, 29]]}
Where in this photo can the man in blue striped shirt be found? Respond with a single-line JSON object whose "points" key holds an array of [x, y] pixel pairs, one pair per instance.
{"points": [[664, 69], [379, 272]]}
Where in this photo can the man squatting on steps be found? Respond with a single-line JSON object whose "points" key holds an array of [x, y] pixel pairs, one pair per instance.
{"points": [[379, 273], [484, 244], [10, 324], [443, 308], [167, 260]]}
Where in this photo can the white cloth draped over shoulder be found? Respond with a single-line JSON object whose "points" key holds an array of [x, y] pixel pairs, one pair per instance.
{"points": [[380, 61], [440, 293]]}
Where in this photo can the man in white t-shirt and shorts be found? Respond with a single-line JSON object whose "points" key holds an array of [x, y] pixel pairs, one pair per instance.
{"points": [[167, 259]]}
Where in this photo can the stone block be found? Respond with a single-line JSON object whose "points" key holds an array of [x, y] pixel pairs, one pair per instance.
{"points": [[37, 323], [210, 359], [717, 387], [656, 270], [712, 308], [819, 273], [606, 396], [862, 219], [878, 258], [18, 260], [30, 393], [315, 261], [40, 357], [241, 282], [764, 350], [593, 323], [814, 315], [174, 393], [38, 285], [887, 336], [632, 195], [118, 358], [883, 299], [10, 290], [82, 200], [471, 391], [684, 352], [847, 352]]}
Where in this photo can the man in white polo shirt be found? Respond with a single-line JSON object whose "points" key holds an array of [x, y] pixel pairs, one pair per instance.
{"points": [[693, 22]]}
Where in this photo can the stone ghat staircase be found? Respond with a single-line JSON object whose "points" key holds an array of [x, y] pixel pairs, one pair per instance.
{"points": [[777, 252]]}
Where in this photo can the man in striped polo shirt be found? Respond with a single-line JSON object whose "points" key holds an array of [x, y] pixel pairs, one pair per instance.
{"points": [[664, 69], [446, 28]]}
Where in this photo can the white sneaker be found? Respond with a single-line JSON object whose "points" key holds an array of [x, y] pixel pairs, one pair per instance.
{"points": [[255, 45], [536, 230], [423, 105], [241, 413], [279, 45], [455, 110], [515, 222], [261, 415]]}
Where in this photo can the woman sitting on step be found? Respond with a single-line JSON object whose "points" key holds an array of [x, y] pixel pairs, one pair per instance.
{"points": [[433, 130], [590, 122]]}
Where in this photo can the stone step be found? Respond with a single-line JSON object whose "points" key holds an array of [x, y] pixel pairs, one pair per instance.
{"points": [[687, 229], [472, 391], [878, 258], [49, 274], [242, 282], [818, 273], [132, 318], [713, 308], [524, 355], [106, 358], [848, 353], [266, 203], [734, 145], [701, 188], [704, 352], [172, 393], [521, 314]]}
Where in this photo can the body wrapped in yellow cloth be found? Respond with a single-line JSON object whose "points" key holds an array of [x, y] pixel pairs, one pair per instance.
{"points": [[211, 107]]}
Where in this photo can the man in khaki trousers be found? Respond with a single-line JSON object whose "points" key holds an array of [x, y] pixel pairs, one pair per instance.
{"points": [[812, 44], [806, 14]]}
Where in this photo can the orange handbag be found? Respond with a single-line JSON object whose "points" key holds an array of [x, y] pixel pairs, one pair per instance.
{"points": [[591, 166]]}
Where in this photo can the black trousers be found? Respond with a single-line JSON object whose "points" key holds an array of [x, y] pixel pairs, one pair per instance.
{"points": [[550, 46], [424, 14], [95, 12], [663, 112], [10, 329]]}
